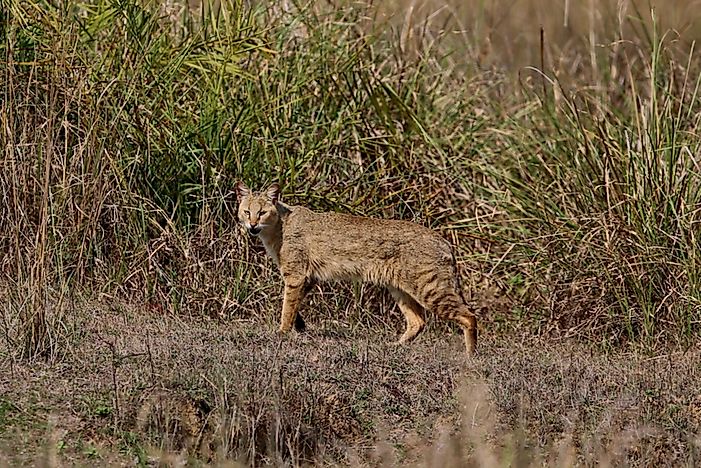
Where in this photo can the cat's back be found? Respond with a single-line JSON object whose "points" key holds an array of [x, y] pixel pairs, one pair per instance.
{"points": [[361, 237]]}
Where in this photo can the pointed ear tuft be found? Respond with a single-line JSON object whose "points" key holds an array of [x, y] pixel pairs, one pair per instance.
{"points": [[273, 193], [242, 190]]}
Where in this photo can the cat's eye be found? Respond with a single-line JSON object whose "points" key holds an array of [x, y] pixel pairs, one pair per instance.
{"points": [[261, 213], [247, 213]]}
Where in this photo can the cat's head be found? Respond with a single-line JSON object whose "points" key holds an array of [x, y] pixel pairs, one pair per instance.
{"points": [[257, 210]]}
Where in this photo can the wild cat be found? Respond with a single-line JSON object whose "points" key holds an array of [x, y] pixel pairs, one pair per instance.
{"points": [[414, 263]]}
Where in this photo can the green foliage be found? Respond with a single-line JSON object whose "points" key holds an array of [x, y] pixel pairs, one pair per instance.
{"points": [[604, 194]]}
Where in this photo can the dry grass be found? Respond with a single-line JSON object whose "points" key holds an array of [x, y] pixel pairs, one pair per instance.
{"points": [[139, 385], [506, 34]]}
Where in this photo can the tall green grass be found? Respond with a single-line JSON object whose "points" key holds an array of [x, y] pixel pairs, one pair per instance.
{"points": [[603, 187], [570, 189]]}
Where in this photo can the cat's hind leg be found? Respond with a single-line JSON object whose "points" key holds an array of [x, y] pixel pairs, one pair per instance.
{"points": [[450, 306], [413, 312]]}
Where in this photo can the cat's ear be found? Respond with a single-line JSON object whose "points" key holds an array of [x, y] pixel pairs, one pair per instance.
{"points": [[242, 190], [273, 193]]}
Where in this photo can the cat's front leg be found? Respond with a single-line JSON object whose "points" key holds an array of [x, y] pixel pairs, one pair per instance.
{"points": [[294, 293], [309, 284]]}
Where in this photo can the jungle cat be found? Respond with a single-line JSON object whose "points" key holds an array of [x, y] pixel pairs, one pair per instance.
{"points": [[413, 262]]}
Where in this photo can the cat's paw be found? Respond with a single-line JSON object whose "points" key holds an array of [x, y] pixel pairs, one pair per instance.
{"points": [[283, 332]]}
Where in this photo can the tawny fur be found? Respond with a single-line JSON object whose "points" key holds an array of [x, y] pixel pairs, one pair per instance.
{"points": [[413, 262]]}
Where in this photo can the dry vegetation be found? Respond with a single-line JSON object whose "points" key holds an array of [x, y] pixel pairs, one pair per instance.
{"points": [[144, 388], [137, 320]]}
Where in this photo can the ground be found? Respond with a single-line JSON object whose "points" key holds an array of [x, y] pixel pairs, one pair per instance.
{"points": [[135, 385]]}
